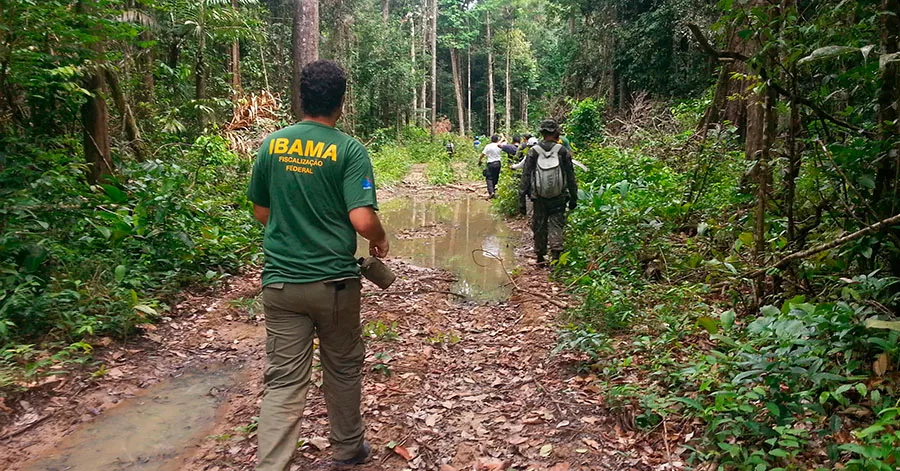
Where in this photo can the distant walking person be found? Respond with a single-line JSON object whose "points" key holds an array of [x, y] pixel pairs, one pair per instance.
{"points": [[312, 187], [549, 180], [492, 172]]}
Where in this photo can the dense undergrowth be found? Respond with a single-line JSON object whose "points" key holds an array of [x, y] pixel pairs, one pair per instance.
{"points": [[82, 261], [657, 251], [393, 157]]}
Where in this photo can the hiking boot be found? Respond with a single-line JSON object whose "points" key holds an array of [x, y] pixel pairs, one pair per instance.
{"points": [[365, 452]]}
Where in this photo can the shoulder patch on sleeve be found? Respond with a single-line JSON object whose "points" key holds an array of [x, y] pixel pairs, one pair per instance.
{"points": [[367, 183]]}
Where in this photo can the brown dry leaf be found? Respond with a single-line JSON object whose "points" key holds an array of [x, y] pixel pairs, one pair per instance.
{"points": [[881, 364], [446, 467], [490, 464], [517, 439], [591, 443], [403, 452], [320, 443], [561, 467]]}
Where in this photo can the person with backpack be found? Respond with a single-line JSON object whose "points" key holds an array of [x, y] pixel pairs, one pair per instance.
{"points": [[549, 181]]}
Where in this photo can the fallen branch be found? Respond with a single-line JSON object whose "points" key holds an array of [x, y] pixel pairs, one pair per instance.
{"points": [[764, 74], [516, 287], [878, 226], [25, 428], [415, 291], [545, 297], [461, 188]]}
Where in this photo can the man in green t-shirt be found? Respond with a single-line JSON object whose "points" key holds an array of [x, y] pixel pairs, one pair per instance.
{"points": [[313, 189]]}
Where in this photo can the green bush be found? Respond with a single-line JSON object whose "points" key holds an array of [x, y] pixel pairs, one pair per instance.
{"points": [[78, 261], [391, 163], [585, 122]]}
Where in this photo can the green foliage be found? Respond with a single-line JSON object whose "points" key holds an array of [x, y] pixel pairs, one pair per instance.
{"points": [[79, 261], [507, 199], [394, 157], [391, 164], [584, 124], [380, 331]]}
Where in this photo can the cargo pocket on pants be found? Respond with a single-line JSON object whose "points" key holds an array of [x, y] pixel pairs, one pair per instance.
{"points": [[270, 351]]}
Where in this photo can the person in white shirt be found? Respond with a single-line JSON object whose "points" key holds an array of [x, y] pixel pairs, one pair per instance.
{"points": [[491, 173]]}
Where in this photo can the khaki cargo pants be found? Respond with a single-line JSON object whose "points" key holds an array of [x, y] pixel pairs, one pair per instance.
{"points": [[294, 314], [548, 222]]}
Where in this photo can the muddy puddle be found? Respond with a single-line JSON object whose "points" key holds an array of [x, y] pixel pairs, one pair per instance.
{"points": [[444, 235], [151, 431]]}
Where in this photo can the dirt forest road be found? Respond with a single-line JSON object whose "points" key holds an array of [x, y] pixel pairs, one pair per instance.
{"points": [[450, 384]]}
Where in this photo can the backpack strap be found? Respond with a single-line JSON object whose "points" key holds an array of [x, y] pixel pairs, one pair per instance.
{"points": [[542, 153]]}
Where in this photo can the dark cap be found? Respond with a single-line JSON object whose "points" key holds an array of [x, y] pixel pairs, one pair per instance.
{"points": [[549, 126]]}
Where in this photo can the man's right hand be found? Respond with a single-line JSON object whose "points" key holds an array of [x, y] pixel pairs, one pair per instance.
{"points": [[379, 249]]}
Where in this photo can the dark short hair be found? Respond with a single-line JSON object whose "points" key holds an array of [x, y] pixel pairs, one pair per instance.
{"points": [[495, 138], [517, 138], [322, 87]]}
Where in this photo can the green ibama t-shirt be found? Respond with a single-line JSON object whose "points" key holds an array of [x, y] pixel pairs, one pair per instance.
{"points": [[311, 176]]}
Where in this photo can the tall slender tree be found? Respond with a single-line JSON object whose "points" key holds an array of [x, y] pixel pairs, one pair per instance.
{"points": [[434, 18], [235, 58], [304, 46], [490, 73], [94, 112]]}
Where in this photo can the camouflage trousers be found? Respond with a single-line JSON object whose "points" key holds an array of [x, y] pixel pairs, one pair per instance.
{"points": [[548, 222]]}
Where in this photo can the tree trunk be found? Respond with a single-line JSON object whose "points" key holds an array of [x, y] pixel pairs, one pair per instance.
{"points": [[457, 91], [412, 56], [490, 72], [887, 178], [434, 15], [793, 169], [235, 61], [523, 104], [713, 114], [200, 69], [129, 123], [507, 125], [146, 65], [385, 11], [304, 47], [469, 88], [95, 118], [423, 92]]}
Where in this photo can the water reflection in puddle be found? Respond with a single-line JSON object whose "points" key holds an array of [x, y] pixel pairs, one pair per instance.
{"points": [[444, 234], [148, 432]]}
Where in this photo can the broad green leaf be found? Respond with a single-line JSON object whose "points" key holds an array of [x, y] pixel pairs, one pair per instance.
{"points": [[870, 430], [879, 324], [727, 318], [115, 195], [828, 51], [145, 309], [120, 273], [709, 324]]}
